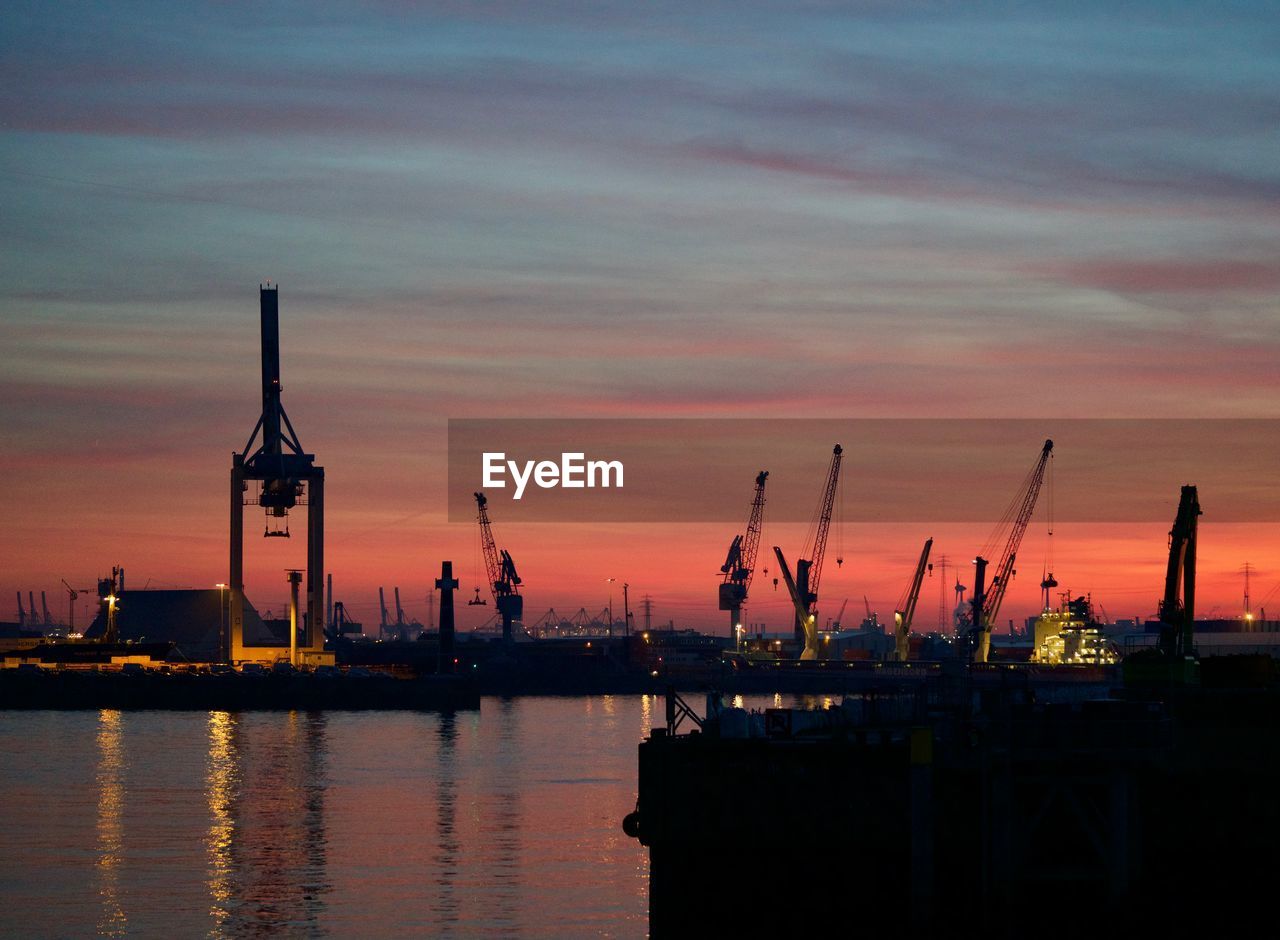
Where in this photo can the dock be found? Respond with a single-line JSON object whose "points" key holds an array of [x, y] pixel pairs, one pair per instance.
{"points": [[913, 814]]}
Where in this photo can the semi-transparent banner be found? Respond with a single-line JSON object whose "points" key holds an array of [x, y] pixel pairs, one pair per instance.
{"points": [[892, 470]]}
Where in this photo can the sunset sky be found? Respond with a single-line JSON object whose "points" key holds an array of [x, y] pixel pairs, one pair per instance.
{"points": [[498, 210]]}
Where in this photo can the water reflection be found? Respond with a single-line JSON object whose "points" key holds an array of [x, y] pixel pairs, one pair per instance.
{"points": [[226, 824], [266, 855], [505, 813], [646, 714], [110, 829], [222, 781], [444, 902]]}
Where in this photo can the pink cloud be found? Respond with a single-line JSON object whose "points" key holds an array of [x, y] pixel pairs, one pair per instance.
{"points": [[1174, 275]]}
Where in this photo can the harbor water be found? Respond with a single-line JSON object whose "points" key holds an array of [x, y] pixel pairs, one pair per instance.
{"points": [[502, 821]]}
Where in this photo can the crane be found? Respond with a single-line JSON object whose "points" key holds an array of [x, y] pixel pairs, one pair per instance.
{"points": [[986, 603], [740, 564], [804, 586], [835, 624], [382, 612], [906, 609], [1177, 614], [804, 617], [504, 583]]}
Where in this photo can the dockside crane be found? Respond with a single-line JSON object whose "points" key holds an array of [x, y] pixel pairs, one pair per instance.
{"points": [[804, 618], [740, 564], [504, 582], [804, 586], [839, 618], [1178, 606], [906, 609], [72, 596], [382, 614], [986, 601]]}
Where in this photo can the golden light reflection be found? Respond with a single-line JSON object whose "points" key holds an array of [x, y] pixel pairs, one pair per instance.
{"points": [[608, 704], [110, 781], [221, 783], [739, 702], [646, 715]]}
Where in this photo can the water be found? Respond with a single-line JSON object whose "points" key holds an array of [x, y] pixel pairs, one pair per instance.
{"points": [[505, 821]]}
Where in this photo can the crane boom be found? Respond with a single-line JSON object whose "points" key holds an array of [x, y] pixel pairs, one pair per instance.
{"points": [[824, 521], [740, 564], [504, 582], [902, 618], [804, 618], [987, 603]]}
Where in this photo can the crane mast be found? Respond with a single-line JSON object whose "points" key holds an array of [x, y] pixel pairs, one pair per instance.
{"points": [[1177, 614], [906, 613], [986, 602], [504, 582], [740, 564]]}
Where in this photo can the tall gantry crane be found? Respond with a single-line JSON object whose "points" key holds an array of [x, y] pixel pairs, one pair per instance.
{"points": [[285, 477], [740, 564], [985, 603], [1177, 613], [906, 609], [504, 583], [804, 586]]}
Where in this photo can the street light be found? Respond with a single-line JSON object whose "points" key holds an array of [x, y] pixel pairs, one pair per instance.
{"points": [[610, 581], [223, 652]]}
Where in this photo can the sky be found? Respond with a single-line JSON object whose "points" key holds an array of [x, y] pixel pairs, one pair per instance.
{"points": [[503, 210]]}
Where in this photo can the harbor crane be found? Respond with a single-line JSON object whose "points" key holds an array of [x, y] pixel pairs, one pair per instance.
{"points": [[284, 477], [804, 586], [906, 609], [400, 621], [839, 618], [740, 564], [1178, 606], [504, 583], [985, 602], [804, 617]]}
